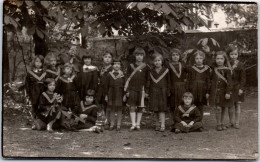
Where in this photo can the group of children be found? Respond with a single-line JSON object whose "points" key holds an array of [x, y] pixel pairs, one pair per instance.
{"points": [[61, 95]]}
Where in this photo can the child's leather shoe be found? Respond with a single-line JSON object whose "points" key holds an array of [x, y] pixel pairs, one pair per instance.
{"points": [[219, 128], [49, 128], [177, 131], [237, 126], [132, 128], [106, 127], [162, 129], [111, 127], [223, 127]]}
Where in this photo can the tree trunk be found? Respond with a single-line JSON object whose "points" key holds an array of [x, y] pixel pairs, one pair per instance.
{"points": [[84, 42], [40, 47], [5, 58]]}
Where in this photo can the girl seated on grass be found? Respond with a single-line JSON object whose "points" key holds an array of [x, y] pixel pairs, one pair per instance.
{"points": [[187, 116]]}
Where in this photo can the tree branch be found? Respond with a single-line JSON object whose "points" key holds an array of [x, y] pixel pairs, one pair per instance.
{"points": [[22, 51]]}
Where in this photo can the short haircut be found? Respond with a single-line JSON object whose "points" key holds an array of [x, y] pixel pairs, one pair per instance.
{"points": [[199, 53], [224, 54], [37, 57], [108, 53], [90, 92], [156, 54], [187, 94], [49, 80], [175, 50], [86, 56], [68, 65], [221, 53], [116, 60], [233, 50], [48, 58], [232, 47], [139, 50]]}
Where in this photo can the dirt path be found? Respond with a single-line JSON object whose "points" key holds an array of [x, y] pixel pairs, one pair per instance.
{"points": [[20, 141]]}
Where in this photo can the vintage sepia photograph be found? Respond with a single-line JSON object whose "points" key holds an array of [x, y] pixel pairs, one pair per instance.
{"points": [[174, 80]]}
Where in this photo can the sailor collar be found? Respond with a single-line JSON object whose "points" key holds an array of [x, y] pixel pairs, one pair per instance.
{"points": [[120, 74]]}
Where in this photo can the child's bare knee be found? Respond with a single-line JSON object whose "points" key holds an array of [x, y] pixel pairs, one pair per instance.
{"points": [[218, 109], [139, 109], [231, 109], [132, 108]]}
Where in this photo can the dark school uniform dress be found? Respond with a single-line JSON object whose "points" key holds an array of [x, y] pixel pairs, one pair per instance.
{"points": [[53, 73], [221, 84], [159, 89], [35, 87], [198, 83], [238, 80], [103, 75], [136, 83], [68, 88], [115, 88], [91, 111], [47, 110], [88, 78], [187, 114], [178, 76]]}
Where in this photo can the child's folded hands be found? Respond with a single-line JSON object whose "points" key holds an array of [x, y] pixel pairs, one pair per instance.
{"points": [[207, 96], [83, 116], [184, 123], [191, 124], [240, 92], [124, 98], [227, 96]]}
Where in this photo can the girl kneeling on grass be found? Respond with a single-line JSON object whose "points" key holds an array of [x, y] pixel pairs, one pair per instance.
{"points": [[187, 116], [49, 104]]}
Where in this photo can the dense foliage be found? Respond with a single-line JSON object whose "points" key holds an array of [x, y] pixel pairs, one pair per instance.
{"points": [[53, 25]]}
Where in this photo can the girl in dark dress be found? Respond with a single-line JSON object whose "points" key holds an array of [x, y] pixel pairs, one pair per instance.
{"points": [[187, 116], [34, 83], [136, 87], [159, 91], [178, 76], [221, 88], [103, 75], [67, 86], [48, 105], [88, 76], [115, 93], [52, 70], [238, 91], [198, 81]]}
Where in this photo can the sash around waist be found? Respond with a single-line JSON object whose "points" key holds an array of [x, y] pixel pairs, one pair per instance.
{"points": [[198, 81], [179, 83], [158, 88]]}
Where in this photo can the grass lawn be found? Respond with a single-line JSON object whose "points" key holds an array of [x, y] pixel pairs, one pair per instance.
{"points": [[20, 141]]}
